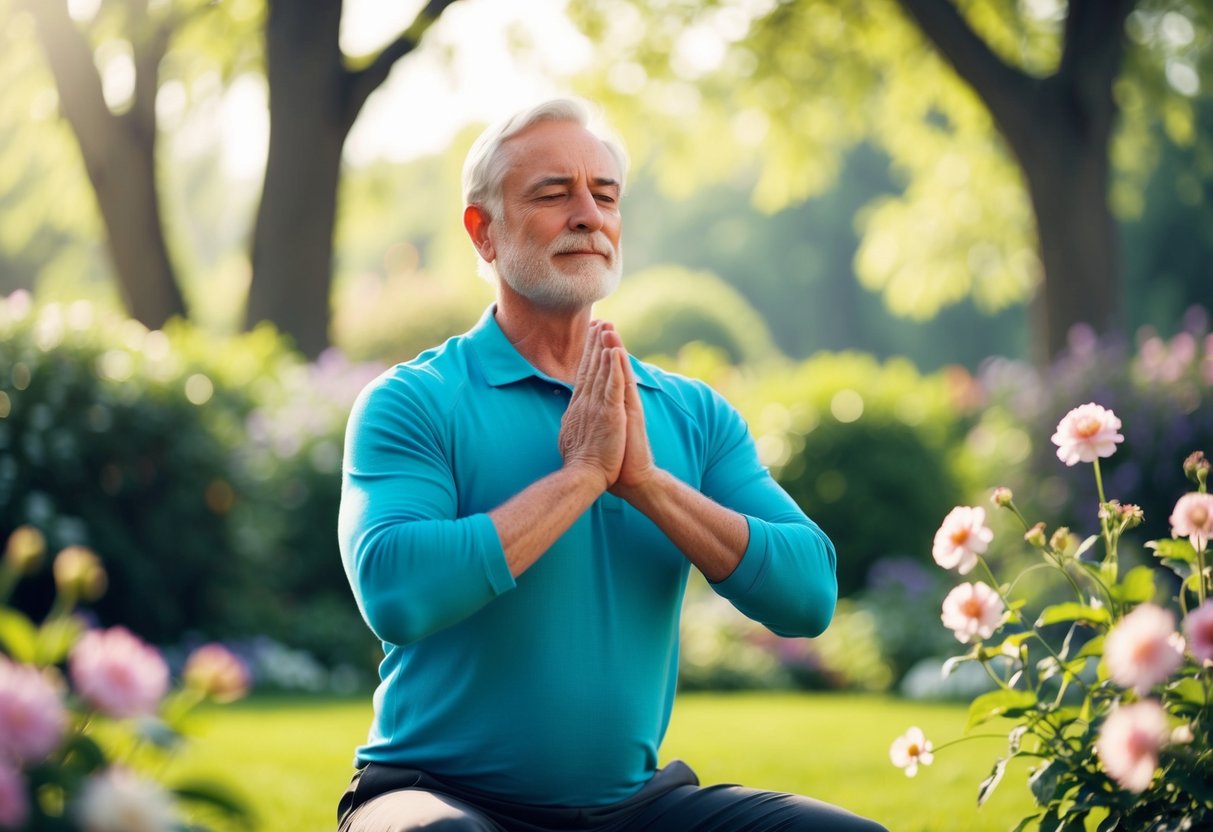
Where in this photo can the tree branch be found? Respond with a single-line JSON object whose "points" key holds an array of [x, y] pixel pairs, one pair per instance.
{"points": [[1006, 91], [362, 82]]}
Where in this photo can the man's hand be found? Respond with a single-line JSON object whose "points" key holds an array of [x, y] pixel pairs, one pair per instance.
{"points": [[637, 469], [593, 433]]}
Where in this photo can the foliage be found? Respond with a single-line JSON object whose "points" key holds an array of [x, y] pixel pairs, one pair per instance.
{"points": [[118, 439], [1106, 696], [869, 450], [787, 89], [90, 755], [659, 310]]}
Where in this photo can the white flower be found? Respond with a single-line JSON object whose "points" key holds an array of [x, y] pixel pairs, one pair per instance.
{"points": [[1129, 741], [117, 800], [1143, 649], [910, 749], [1193, 518], [1086, 433], [962, 537], [972, 610]]}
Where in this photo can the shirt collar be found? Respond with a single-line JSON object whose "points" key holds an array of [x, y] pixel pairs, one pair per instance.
{"points": [[503, 364]]}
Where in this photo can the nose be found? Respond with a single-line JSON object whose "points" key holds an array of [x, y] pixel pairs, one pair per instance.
{"points": [[585, 213]]}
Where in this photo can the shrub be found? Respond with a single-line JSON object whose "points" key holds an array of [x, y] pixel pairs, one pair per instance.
{"points": [[660, 310]]}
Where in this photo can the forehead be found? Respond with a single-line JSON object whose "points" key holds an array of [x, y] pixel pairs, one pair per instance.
{"points": [[556, 148]]}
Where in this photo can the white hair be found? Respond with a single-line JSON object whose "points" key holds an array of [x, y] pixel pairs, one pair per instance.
{"points": [[484, 167]]}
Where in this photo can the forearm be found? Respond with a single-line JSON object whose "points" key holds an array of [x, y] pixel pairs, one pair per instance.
{"points": [[531, 521], [712, 537]]}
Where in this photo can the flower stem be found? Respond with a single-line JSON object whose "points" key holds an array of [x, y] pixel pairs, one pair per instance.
{"points": [[1098, 481]]}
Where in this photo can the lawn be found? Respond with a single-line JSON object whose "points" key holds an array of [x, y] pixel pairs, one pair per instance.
{"points": [[291, 757]]}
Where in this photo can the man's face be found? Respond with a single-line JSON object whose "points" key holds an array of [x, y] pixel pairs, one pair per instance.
{"points": [[557, 241]]}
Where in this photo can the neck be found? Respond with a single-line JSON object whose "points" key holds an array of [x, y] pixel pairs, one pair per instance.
{"points": [[551, 340]]}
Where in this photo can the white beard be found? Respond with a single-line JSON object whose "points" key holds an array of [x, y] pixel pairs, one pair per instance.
{"points": [[534, 276]]}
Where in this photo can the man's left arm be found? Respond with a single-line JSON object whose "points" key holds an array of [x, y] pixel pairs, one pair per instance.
{"points": [[742, 531]]}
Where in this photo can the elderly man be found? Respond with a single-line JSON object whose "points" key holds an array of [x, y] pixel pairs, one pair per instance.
{"points": [[520, 509]]}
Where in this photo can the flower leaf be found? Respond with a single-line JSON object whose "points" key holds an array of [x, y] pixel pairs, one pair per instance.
{"points": [[1014, 738], [1000, 703], [1085, 545], [1094, 647], [988, 785], [55, 639], [1178, 550], [1137, 587], [18, 635], [1073, 611], [1043, 783], [217, 795]]}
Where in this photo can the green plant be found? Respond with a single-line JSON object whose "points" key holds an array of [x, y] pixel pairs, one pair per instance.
{"points": [[87, 716], [1106, 695]]}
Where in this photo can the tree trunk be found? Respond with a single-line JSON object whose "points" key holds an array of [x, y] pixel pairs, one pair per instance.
{"points": [[314, 100], [1078, 241], [119, 154], [1059, 129], [293, 238]]}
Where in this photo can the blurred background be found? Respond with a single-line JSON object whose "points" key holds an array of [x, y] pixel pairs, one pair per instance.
{"points": [[903, 237]]}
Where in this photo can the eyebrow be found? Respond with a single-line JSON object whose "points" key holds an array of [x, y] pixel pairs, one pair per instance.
{"points": [[600, 181]]}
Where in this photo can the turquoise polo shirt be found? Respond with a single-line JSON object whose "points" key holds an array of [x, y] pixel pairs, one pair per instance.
{"points": [[554, 688]]}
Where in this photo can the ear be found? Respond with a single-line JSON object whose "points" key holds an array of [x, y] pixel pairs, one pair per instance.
{"points": [[476, 220]]}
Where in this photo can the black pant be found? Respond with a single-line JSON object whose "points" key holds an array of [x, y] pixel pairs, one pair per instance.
{"points": [[393, 799]]}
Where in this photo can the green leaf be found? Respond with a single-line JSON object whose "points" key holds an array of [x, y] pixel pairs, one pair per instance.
{"points": [[1188, 690], [1137, 587], [1085, 545], [84, 754], [1094, 647], [1015, 737], [1010, 703], [988, 785], [1073, 611], [1179, 550], [1043, 783], [18, 635], [55, 639], [217, 795]]}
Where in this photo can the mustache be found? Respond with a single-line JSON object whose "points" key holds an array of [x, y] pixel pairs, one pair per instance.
{"points": [[596, 242]]}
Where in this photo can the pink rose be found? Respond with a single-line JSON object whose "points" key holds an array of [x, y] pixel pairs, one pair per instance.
{"points": [[14, 803], [972, 610], [1193, 519], [1143, 649], [117, 673], [1198, 627], [214, 671], [1086, 433], [1129, 742], [32, 716], [962, 537]]}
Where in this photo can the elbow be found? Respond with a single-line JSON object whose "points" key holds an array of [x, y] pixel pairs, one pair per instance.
{"points": [[392, 620]]}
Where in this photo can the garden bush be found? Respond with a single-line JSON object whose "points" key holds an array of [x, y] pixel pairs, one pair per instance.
{"points": [[660, 310], [204, 471]]}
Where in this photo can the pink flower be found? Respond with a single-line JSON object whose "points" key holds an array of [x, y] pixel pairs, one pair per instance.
{"points": [[1129, 741], [1198, 627], [910, 749], [14, 804], [32, 716], [118, 801], [962, 537], [1193, 519], [117, 673], [1143, 649], [214, 671], [1086, 433], [972, 610]]}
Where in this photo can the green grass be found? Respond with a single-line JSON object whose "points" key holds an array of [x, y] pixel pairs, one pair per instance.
{"points": [[291, 757]]}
